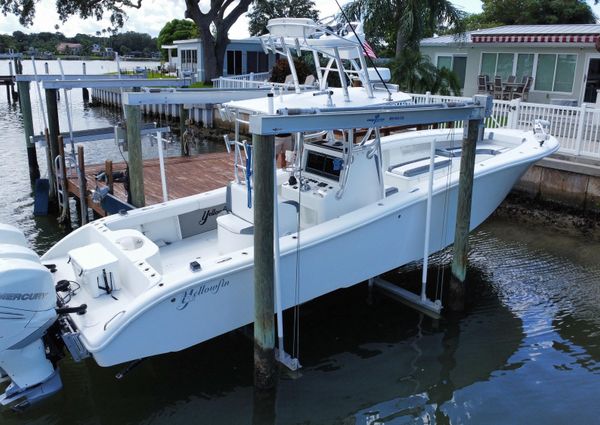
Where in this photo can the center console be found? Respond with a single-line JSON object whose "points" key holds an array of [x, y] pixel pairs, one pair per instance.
{"points": [[317, 186]]}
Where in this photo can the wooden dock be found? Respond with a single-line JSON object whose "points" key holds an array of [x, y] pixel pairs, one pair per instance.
{"points": [[9, 82], [185, 176]]}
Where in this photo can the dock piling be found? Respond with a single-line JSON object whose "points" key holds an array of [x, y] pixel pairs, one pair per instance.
{"points": [[265, 372], [53, 132], [82, 185], [133, 116], [456, 295], [108, 170], [182, 127], [62, 188], [26, 112]]}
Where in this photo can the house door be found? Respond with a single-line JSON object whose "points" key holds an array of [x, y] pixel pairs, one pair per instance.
{"points": [[592, 82]]}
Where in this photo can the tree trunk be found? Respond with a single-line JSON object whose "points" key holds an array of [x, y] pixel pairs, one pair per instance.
{"points": [[214, 47], [399, 43]]}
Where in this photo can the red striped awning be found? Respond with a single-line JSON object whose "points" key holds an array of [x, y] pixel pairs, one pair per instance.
{"points": [[548, 38]]}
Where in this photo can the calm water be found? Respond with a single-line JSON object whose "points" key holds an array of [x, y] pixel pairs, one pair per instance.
{"points": [[527, 351]]}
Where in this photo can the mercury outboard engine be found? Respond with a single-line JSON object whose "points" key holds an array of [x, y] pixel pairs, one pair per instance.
{"points": [[27, 310]]}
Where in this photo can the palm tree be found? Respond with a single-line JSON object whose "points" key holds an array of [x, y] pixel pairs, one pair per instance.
{"points": [[402, 24], [415, 73]]}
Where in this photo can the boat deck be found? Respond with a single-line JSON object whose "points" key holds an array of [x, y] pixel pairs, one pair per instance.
{"points": [[185, 176]]}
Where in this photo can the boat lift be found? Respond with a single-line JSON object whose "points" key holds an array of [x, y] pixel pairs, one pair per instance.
{"points": [[314, 120], [375, 117]]}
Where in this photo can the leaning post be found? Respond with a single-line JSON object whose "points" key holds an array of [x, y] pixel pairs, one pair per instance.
{"points": [[133, 117], [265, 371], [53, 132], [456, 296], [25, 103]]}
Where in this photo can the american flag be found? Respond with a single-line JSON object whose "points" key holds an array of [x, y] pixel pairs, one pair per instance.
{"points": [[368, 50]]}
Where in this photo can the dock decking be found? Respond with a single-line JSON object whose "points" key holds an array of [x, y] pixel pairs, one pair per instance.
{"points": [[185, 176]]}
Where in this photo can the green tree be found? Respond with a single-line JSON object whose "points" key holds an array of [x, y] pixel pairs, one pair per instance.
{"points": [[401, 24], [531, 12], [177, 29], [263, 10], [213, 25], [415, 73]]}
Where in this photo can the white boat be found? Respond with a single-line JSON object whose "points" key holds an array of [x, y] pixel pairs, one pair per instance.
{"points": [[166, 277]]}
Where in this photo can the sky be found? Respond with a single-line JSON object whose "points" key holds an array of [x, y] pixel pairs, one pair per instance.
{"points": [[155, 13]]}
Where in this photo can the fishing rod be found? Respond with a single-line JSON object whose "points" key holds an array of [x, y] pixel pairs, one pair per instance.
{"points": [[364, 50]]}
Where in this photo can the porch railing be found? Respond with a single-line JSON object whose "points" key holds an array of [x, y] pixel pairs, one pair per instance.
{"points": [[244, 81], [577, 128], [253, 81]]}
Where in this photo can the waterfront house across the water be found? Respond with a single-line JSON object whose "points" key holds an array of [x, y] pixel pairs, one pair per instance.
{"points": [[563, 60], [242, 57]]}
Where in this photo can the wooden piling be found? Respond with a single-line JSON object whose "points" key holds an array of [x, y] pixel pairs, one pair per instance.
{"points": [[108, 170], [82, 185], [182, 128], [456, 294], [65, 212], [53, 132], [265, 372], [26, 113], [133, 118]]}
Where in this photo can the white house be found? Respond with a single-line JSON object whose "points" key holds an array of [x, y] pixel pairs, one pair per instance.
{"points": [[563, 60], [242, 57]]}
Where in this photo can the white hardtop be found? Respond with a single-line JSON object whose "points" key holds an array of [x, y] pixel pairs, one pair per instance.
{"points": [[358, 97]]}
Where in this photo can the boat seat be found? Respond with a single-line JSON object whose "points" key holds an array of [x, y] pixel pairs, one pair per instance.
{"points": [[234, 233], [418, 166], [457, 151], [237, 204]]}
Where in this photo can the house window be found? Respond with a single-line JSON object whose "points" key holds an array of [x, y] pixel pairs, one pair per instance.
{"points": [[488, 64], [189, 60], [504, 67], [457, 64], [555, 72], [257, 62], [234, 62], [524, 66]]}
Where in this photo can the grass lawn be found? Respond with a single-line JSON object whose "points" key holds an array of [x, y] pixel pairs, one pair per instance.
{"points": [[201, 85]]}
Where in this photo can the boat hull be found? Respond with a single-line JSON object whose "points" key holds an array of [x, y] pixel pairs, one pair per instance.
{"points": [[368, 243]]}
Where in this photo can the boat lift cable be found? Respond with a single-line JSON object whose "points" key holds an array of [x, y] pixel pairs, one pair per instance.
{"points": [[39, 93], [440, 269], [364, 50], [69, 122], [296, 333]]}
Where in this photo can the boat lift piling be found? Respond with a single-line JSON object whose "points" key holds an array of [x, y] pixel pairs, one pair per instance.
{"points": [[456, 292], [133, 117], [265, 371], [26, 112], [53, 132]]}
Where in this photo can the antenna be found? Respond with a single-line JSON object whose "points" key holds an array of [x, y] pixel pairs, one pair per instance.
{"points": [[364, 50]]}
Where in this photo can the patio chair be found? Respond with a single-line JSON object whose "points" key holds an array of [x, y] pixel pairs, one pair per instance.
{"points": [[481, 84], [524, 79], [511, 79], [289, 80], [522, 92], [499, 93], [310, 80]]}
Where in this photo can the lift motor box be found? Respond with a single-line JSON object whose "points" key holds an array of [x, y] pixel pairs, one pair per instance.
{"points": [[96, 269]]}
